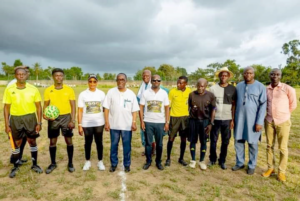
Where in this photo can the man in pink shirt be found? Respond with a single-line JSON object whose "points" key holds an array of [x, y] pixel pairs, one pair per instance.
{"points": [[280, 104]]}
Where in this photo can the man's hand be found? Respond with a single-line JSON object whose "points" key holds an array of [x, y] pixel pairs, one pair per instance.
{"points": [[258, 128], [166, 128], [208, 129], [143, 127], [80, 130], [133, 126], [7, 129], [231, 124], [107, 126], [38, 128], [71, 125]]}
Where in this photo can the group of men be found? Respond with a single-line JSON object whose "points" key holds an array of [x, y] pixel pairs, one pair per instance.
{"points": [[195, 115]]}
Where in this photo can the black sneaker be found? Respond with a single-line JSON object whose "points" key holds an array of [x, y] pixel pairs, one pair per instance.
{"points": [[182, 162], [37, 169], [112, 168], [13, 172], [71, 167], [250, 171], [168, 162], [146, 166], [50, 168], [127, 168], [159, 166], [235, 168], [223, 166]]}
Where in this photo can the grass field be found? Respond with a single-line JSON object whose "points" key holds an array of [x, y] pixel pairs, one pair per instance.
{"points": [[174, 183]]}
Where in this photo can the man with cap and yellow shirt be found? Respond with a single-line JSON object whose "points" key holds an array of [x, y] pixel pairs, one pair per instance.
{"points": [[224, 119], [179, 113], [63, 97], [23, 116]]}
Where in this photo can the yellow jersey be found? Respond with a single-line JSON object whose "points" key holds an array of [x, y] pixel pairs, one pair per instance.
{"points": [[22, 101], [179, 102], [60, 98]]}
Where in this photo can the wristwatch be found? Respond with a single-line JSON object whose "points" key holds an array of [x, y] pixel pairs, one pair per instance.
{"points": [[211, 123]]}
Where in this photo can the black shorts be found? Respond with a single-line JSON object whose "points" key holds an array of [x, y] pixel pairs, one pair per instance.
{"points": [[23, 126], [179, 124], [197, 130], [61, 123]]}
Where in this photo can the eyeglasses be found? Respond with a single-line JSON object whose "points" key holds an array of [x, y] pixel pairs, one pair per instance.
{"points": [[155, 80], [91, 81]]}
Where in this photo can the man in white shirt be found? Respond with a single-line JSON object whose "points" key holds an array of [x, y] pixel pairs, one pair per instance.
{"points": [[120, 119], [155, 120]]}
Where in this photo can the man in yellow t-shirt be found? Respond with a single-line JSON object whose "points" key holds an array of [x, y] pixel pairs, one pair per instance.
{"points": [[21, 101], [63, 97], [179, 114]]}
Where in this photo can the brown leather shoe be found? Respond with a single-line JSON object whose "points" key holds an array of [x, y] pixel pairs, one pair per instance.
{"points": [[281, 177], [268, 173]]}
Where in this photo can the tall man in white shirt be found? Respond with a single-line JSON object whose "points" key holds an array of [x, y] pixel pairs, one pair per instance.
{"points": [[120, 119], [155, 120]]}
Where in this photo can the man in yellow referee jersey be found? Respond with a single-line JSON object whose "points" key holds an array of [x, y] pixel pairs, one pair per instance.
{"points": [[179, 113], [63, 97], [21, 101]]}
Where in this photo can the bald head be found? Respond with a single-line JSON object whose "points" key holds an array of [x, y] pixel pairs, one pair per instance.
{"points": [[201, 85], [249, 68], [275, 76], [249, 75]]}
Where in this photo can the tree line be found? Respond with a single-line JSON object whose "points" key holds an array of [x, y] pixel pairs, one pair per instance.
{"points": [[290, 72]]}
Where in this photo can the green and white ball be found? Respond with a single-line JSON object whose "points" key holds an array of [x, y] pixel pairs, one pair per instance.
{"points": [[51, 112]]}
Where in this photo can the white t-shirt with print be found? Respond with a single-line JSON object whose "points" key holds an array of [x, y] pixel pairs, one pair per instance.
{"points": [[154, 105], [92, 104], [120, 105]]}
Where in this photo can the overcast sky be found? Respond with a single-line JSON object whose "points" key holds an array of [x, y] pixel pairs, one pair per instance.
{"points": [[126, 35]]}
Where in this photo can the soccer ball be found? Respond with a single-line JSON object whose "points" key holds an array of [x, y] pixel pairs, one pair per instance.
{"points": [[51, 112]]}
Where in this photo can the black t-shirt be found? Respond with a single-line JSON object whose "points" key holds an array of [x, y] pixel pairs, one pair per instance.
{"points": [[201, 106]]}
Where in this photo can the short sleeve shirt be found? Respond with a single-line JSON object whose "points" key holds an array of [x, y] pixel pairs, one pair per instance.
{"points": [[121, 105], [60, 98], [179, 102], [92, 104], [201, 106], [22, 101], [155, 105]]}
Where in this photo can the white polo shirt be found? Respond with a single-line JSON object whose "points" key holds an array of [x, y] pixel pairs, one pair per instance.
{"points": [[120, 105], [92, 104], [155, 105]]}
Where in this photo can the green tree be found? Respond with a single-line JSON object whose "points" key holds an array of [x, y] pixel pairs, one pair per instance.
{"points": [[169, 72], [37, 70], [261, 73], [181, 71], [8, 70], [234, 68], [18, 62]]}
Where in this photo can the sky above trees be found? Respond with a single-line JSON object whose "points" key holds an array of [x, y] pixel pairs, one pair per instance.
{"points": [[116, 35]]}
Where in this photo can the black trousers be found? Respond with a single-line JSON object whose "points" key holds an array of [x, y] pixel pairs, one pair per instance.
{"points": [[224, 127]]}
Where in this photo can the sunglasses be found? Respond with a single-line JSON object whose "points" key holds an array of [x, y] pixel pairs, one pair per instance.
{"points": [[93, 81], [155, 80]]}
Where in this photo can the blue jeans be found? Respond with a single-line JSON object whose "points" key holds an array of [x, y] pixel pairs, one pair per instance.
{"points": [[240, 153], [155, 130], [126, 140]]}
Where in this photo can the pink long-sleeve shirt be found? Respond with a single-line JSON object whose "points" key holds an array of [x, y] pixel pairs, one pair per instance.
{"points": [[281, 102]]}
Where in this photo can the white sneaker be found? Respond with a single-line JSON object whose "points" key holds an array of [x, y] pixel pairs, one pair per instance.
{"points": [[202, 165], [101, 165], [192, 164], [87, 165]]}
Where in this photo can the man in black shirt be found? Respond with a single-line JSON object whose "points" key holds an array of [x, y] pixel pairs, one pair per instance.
{"points": [[202, 106]]}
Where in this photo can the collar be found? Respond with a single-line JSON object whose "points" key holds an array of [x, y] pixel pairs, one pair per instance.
{"points": [[279, 85]]}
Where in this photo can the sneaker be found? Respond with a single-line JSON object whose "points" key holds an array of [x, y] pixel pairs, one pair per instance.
{"points": [[37, 169], [87, 165], [250, 171], [101, 165], [268, 173], [202, 165], [192, 164], [236, 167], [168, 162], [281, 177], [71, 167], [159, 166], [210, 164], [51, 168], [112, 168], [127, 168], [146, 166], [223, 166], [182, 162], [13, 172]]}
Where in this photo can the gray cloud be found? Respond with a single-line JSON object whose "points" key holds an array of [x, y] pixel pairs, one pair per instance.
{"points": [[113, 36]]}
